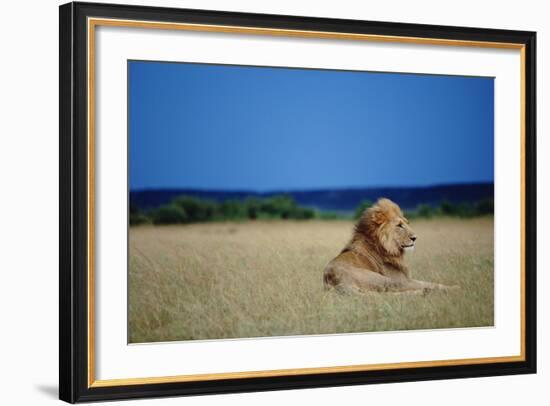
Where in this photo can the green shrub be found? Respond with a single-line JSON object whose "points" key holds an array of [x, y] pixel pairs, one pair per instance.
{"points": [[302, 213], [457, 209], [233, 210], [447, 208], [252, 208], [196, 209], [424, 210], [466, 210], [169, 214], [279, 207], [485, 207], [330, 215], [364, 205], [138, 218]]}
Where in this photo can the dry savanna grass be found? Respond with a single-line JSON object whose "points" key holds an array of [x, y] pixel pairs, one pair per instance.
{"points": [[264, 278]]}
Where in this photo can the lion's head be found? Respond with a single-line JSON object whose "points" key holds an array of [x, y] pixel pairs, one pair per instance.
{"points": [[387, 226]]}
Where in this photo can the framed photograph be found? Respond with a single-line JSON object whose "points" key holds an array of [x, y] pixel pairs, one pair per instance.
{"points": [[257, 202]]}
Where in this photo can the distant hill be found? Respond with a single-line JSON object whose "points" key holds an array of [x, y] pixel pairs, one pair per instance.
{"points": [[340, 200]]}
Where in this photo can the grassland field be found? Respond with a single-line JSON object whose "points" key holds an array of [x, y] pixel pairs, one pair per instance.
{"points": [[264, 278]]}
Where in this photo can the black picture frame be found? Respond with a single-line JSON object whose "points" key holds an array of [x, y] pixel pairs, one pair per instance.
{"points": [[74, 199]]}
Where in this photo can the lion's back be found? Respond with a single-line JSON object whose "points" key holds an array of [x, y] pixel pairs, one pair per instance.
{"points": [[344, 267]]}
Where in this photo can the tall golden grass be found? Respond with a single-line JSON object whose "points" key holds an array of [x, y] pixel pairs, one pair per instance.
{"points": [[252, 279]]}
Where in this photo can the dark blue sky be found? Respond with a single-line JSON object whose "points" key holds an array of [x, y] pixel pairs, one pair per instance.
{"points": [[255, 128]]}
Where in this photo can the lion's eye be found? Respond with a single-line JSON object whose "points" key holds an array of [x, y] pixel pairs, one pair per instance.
{"points": [[400, 225]]}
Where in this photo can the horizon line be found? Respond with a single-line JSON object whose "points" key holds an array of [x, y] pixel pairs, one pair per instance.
{"points": [[312, 189]]}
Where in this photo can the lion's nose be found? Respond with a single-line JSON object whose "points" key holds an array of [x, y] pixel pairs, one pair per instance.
{"points": [[413, 237]]}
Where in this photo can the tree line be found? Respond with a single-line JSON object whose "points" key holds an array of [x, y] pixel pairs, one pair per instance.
{"points": [[483, 207], [190, 209]]}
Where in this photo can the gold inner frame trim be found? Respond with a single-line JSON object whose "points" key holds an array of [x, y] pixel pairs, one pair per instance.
{"points": [[299, 371], [94, 22]]}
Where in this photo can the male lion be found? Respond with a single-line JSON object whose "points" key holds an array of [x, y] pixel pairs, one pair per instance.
{"points": [[373, 259]]}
